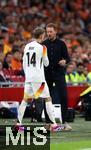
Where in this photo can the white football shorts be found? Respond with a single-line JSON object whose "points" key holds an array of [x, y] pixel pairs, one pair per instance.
{"points": [[36, 90]]}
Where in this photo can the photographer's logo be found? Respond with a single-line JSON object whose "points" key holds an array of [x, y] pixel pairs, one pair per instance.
{"points": [[20, 135], [31, 135]]}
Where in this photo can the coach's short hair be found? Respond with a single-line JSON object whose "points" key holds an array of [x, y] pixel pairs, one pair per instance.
{"points": [[38, 31], [51, 25]]}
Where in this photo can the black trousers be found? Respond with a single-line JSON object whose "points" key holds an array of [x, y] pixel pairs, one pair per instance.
{"points": [[61, 91]]}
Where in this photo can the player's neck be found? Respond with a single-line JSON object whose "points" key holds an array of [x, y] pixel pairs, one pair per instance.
{"points": [[37, 40]]}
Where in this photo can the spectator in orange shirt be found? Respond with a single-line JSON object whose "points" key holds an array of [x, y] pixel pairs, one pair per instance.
{"points": [[8, 45], [16, 63]]}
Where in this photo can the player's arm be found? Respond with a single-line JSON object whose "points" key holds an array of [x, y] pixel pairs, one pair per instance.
{"points": [[45, 57]]}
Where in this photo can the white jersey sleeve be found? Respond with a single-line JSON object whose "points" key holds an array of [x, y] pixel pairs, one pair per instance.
{"points": [[45, 57]]}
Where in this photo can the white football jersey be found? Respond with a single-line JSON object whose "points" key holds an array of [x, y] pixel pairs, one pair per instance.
{"points": [[34, 60]]}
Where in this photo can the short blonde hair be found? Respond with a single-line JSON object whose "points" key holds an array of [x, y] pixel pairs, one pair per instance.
{"points": [[38, 31]]}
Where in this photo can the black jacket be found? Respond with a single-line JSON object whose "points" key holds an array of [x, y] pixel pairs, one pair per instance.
{"points": [[57, 51]]}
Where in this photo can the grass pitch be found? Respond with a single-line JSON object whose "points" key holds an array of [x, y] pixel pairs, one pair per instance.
{"points": [[77, 139], [79, 145]]}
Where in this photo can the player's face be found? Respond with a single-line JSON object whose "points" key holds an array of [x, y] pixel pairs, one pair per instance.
{"points": [[51, 33]]}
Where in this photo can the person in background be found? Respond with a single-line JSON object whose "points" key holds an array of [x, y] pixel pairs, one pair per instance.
{"points": [[71, 76], [3, 77], [88, 78], [7, 60], [16, 63], [8, 45], [1, 56], [55, 72], [81, 77]]}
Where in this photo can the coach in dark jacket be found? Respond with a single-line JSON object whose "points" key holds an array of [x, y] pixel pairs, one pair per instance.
{"points": [[55, 72]]}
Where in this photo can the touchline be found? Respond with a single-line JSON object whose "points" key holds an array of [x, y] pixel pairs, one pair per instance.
{"points": [[38, 139]]}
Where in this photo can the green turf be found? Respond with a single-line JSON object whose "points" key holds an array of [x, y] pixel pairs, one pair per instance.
{"points": [[80, 145]]}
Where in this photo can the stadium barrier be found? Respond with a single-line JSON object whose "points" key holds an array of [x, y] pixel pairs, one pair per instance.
{"points": [[13, 91]]}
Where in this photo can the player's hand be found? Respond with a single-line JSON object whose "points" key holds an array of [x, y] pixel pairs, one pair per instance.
{"points": [[62, 62]]}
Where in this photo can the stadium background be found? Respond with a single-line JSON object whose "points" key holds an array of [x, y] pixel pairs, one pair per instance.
{"points": [[17, 21]]}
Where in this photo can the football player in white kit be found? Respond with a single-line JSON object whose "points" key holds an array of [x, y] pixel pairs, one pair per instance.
{"points": [[34, 60]]}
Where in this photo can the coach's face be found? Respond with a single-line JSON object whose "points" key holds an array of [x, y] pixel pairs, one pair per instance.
{"points": [[51, 33]]}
